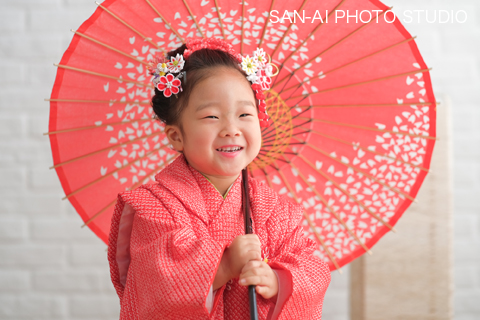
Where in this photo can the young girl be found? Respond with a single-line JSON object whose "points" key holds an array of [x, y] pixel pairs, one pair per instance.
{"points": [[177, 248]]}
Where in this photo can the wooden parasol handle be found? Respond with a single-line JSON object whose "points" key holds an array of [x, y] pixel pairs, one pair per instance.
{"points": [[248, 230]]}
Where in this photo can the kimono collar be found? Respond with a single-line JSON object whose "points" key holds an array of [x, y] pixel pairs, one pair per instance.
{"points": [[226, 193], [191, 187]]}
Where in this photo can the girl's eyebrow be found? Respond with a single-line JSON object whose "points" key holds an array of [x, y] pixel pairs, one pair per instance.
{"points": [[208, 104], [248, 102], [203, 106]]}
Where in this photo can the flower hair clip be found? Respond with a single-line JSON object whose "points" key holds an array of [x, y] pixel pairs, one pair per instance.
{"points": [[259, 70], [163, 69]]}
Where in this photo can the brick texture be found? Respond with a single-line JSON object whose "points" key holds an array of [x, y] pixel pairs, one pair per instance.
{"points": [[52, 269]]}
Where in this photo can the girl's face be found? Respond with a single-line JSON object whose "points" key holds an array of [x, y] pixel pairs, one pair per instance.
{"points": [[221, 114]]}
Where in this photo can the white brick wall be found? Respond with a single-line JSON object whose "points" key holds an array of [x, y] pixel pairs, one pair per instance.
{"points": [[52, 269]]}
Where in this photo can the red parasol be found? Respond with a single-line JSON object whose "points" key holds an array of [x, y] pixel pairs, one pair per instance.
{"points": [[353, 109]]}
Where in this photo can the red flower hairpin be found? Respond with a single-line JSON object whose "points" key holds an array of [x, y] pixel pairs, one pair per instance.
{"points": [[162, 69], [169, 84]]}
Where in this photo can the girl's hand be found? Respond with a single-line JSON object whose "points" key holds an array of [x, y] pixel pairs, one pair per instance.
{"points": [[243, 249], [260, 274]]}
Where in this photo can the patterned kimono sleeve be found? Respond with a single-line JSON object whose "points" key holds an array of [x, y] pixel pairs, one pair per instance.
{"points": [[308, 274], [171, 270]]}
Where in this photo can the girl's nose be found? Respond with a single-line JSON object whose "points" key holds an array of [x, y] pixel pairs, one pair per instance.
{"points": [[230, 129]]}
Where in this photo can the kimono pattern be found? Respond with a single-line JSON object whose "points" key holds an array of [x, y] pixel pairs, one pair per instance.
{"points": [[165, 249]]}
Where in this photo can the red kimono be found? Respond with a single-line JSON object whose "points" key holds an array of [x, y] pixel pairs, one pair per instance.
{"points": [[169, 238]]}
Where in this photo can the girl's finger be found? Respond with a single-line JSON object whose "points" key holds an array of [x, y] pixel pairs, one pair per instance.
{"points": [[252, 280], [251, 238], [253, 265], [252, 247], [254, 255]]}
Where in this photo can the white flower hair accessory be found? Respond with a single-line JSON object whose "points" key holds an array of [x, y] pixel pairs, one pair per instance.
{"points": [[259, 72], [258, 68]]}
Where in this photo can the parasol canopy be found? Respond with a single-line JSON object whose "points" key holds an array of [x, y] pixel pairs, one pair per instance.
{"points": [[352, 108]]}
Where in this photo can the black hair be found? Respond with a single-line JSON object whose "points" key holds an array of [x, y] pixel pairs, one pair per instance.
{"points": [[198, 66]]}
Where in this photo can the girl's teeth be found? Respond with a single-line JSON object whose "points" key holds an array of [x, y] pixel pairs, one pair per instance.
{"points": [[229, 149]]}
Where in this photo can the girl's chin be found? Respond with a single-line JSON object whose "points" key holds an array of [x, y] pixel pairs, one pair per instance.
{"points": [[229, 171]]}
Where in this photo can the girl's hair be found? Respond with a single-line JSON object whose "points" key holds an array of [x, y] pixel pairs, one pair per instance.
{"points": [[198, 66]]}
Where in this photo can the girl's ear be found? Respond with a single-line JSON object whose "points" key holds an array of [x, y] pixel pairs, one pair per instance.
{"points": [[175, 137]]}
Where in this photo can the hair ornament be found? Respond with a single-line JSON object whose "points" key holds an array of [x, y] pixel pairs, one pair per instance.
{"points": [[259, 71], [162, 70], [258, 68]]}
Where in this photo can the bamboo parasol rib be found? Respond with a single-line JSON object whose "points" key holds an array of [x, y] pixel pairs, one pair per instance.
{"points": [[166, 21], [276, 82], [288, 29], [108, 46], [313, 32], [360, 83], [367, 105], [103, 75], [105, 149], [96, 215], [243, 23], [193, 17], [371, 151], [112, 173], [358, 127], [312, 226], [364, 149], [350, 63], [361, 171], [333, 212], [267, 178], [374, 129], [360, 203], [266, 24], [220, 19], [98, 101], [130, 27], [99, 126], [351, 144]]}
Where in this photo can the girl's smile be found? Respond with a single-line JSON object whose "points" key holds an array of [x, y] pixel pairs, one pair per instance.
{"points": [[230, 151]]}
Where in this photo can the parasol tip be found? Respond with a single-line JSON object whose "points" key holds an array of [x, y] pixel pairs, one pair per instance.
{"points": [[84, 225], [340, 270], [369, 252], [394, 230]]}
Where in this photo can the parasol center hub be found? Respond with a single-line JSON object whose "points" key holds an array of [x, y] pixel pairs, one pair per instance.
{"points": [[276, 138]]}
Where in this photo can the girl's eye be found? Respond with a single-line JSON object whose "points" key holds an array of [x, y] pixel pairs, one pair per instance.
{"points": [[246, 114], [211, 117]]}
